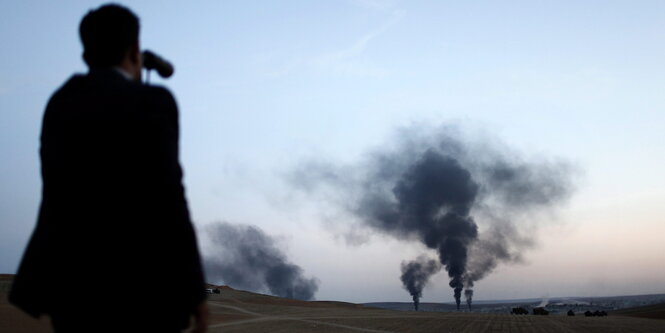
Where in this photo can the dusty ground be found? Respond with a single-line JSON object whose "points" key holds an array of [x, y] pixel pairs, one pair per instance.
{"points": [[238, 311], [656, 311]]}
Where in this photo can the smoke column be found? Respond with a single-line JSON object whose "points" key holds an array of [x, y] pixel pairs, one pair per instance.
{"points": [[434, 198], [468, 294], [415, 275], [245, 257], [433, 184]]}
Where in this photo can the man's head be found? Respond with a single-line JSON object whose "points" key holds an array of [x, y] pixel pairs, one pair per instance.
{"points": [[110, 37]]}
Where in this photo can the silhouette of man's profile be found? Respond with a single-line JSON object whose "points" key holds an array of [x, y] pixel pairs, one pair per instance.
{"points": [[114, 249]]}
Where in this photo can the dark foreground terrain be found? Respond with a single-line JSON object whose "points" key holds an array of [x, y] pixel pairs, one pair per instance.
{"points": [[240, 311], [655, 311]]}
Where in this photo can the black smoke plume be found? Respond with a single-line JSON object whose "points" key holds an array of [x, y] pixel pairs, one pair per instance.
{"points": [[471, 201], [245, 257], [434, 198], [415, 275]]}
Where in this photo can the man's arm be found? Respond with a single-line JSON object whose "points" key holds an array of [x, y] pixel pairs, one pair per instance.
{"points": [[187, 255]]}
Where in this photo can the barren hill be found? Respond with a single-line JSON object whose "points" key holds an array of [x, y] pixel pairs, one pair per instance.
{"points": [[239, 311], [242, 311]]}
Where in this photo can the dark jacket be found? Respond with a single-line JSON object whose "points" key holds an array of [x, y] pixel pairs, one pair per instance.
{"points": [[113, 226]]}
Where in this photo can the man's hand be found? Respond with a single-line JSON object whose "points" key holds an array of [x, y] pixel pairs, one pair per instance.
{"points": [[201, 318]]}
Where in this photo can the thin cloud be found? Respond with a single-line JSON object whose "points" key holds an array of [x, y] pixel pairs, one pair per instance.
{"points": [[347, 59]]}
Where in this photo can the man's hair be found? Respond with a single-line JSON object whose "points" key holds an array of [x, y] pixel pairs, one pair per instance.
{"points": [[107, 33]]}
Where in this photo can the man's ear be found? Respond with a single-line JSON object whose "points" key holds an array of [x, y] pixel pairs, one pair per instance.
{"points": [[133, 62], [135, 54]]}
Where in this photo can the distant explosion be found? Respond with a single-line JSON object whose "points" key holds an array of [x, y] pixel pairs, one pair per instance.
{"points": [[432, 186], [245, 257]]}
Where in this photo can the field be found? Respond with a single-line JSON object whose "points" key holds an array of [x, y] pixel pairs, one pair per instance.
{"points": [[656, 311], [240, 311]]}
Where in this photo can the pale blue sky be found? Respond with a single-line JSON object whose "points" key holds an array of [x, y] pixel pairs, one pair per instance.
{"points": [[263, 85]]}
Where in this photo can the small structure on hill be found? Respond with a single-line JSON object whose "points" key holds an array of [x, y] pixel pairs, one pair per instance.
{"points": [[519, 311], [540, 311], [595, 313]]}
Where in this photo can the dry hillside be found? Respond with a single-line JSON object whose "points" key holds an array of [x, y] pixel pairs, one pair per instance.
{"points": [[240, 311]]}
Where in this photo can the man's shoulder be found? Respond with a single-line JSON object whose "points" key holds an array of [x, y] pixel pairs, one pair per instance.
{"points": [[108, 84], [156, 91], [157, 96]]}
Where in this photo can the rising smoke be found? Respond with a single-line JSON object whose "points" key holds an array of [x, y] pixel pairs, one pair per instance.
{"points": [[437, 187], [415, 275], [245, 257]]}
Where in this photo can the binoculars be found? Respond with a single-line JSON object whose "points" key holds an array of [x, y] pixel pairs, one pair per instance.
{"points": [[153, 61]]}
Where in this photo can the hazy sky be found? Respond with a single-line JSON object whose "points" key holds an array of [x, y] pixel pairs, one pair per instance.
{"points": [[265, 85]]}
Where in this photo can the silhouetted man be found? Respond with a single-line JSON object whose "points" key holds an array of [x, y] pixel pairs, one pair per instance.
{"points": [[114, 249]]}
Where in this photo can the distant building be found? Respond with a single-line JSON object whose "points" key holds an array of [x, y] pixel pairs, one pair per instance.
{"points": [[213, 291]]}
